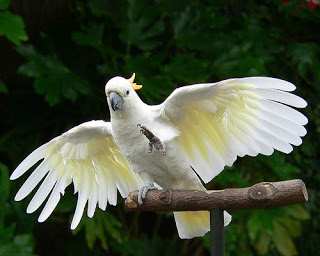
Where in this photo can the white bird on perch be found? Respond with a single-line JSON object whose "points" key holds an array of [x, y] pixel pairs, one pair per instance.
{"points": [[189, 138]]}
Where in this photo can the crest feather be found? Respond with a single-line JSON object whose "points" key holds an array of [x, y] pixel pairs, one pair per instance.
{"points": [[135, 86]]}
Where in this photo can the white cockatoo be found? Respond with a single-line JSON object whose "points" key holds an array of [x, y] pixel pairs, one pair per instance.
{"points": [[188, 139]]}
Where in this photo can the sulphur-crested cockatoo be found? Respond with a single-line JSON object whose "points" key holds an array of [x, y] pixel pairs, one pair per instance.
{"points": [[189, 138]]}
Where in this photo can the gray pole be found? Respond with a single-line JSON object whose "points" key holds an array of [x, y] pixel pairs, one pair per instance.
{"points": [[217, 231]]}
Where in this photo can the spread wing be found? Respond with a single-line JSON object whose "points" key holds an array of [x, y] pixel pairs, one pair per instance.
{"points": [[86, 156], [235, 117]]}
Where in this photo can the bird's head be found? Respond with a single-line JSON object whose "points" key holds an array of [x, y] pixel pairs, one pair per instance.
{"points": [[121, 91]]}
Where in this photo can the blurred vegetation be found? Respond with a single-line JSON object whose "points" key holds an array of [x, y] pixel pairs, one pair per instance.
{"points": [[55, 59]]}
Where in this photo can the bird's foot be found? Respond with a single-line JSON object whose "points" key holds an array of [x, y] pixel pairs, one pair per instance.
{"points": [[143, 192], [154, 141], [159, 146]]}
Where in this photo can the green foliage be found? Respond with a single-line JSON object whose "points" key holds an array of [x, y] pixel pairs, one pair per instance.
{"points": [[276, 227], [51, 77], [4, 190], [15, 245], [4, 4], [3, 88], [11, 26], [147, 246], [102, 227], [11, 242], [167, 44], [142, 26]]}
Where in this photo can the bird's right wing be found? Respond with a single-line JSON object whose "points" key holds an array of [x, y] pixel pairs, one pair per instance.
{"points": [[86, 156], [236, 117]]}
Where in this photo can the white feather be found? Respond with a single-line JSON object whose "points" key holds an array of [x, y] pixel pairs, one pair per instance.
{"points": [[33, 180], [283, 111], [53, 200], [92, 203], [82, 199], [42, 192], [81, 203], [264, 147], [283, 123], [29, 161], [112, 193], [244, 137], [273, 141], [281, 133], [282, 97], [268, 83]]}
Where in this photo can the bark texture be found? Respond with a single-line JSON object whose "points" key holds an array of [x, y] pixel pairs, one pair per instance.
{"points": [[261, 195]]}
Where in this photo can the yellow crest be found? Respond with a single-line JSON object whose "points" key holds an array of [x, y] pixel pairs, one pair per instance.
{"points": [[135, 86]]}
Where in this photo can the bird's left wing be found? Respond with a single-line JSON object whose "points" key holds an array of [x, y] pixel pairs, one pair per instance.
{"points": [[86, 156], [234, 117]]}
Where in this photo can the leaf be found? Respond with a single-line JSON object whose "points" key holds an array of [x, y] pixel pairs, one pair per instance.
{"points": [[51, 77], [4, 183], [143, 27], [187, 68], [20, 245], [3, 88], [12, 27], [149, 246], [4, 4], [102, 227], [90, 35], [98, 7], [293, 226], [259, 222], [263, 243], [305, 56], [298, 212], [283, 241], [112, 226], [281, 166], [4, 191]]}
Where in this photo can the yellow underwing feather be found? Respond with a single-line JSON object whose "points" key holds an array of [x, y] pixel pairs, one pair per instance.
{"points": [[86, 156], [236, 117]]}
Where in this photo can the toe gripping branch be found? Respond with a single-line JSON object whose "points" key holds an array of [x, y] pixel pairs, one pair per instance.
{"points": [[154, 142], [143, 192]]}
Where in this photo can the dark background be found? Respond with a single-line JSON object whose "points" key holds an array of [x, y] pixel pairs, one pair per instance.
{"points": [[55, 57]]}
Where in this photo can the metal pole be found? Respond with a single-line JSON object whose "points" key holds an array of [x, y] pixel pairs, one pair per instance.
{"points": [[217, 231]]}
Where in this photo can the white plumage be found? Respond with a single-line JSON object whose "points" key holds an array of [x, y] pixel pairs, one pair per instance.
{"points": [[203, 126]]}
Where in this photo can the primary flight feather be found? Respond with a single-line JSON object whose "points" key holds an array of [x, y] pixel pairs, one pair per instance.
{"points": [[189, 138]]}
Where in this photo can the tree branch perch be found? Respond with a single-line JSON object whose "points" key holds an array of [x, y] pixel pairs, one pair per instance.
{"points": [[261, 195]]}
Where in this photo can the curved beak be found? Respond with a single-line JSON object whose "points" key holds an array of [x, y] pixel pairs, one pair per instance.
{"points": [[116, 101]]}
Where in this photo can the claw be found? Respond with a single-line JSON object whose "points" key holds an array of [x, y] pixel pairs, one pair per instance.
{"points": [[150, 147], [143, 192], [141, 128]]}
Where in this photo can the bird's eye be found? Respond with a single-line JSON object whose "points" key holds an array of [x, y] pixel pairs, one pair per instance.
{"points": [[127, 92]]}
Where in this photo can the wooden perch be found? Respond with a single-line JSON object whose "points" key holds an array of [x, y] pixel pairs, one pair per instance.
{"points": [[261, 195]]}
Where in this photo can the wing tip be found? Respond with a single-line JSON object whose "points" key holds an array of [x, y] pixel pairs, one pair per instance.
{"points": [[300, 102], [18, 172], [31, 208], [42, 218], [74, 224], [13, 176], [18, 197]]}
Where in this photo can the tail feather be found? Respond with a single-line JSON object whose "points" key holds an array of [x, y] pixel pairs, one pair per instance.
{"points": [[194, 224]]}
